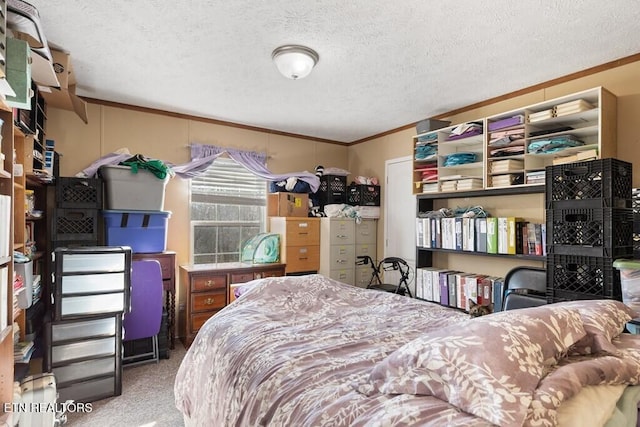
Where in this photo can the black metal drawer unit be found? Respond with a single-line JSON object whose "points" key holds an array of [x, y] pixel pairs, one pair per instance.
{"points": [[91, 291]]}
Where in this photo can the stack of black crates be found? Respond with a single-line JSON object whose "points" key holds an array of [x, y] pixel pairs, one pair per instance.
{"points": [[589, 225], [363, 195], [332, 190], [76, 212]]}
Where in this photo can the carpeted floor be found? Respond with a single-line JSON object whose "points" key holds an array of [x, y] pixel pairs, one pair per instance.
{"points": [[146, 400]]}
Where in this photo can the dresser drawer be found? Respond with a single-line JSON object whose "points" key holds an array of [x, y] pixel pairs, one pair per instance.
{"points": [[197, 320], [241, 278], [302, 232], [167, 266], [206, 283], [269, 273], [302, 258], [207, 301], [342, 256]]}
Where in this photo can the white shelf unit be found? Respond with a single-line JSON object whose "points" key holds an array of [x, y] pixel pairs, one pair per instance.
{"points": [[596, 127]]}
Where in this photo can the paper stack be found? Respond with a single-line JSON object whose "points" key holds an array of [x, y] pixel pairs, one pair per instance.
{"points": [[541, 115], [508, 165], [572, 107], [504, 180], [449, 185], [469, 184], [535, 177], [430, 187]]}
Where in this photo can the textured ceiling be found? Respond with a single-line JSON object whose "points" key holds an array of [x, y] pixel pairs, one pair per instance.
{"points": [[383, 64]]}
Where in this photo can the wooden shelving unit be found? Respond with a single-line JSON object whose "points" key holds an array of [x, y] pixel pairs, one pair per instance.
{"points": [[7, 188]]}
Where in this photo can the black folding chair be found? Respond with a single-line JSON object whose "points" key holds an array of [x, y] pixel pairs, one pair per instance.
{"points": [[524, 287]]}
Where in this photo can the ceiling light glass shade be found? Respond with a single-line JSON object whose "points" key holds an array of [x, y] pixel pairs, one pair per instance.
{"points": [[295, 62]]}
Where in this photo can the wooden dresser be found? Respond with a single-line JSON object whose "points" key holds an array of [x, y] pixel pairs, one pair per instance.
{"points": [[204, 290], [299, 242]]}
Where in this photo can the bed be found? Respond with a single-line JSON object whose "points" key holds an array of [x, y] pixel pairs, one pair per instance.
{"points": [[311, 351]]}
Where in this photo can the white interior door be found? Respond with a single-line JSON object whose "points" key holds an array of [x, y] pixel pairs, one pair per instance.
{"points": [[400, 214]]}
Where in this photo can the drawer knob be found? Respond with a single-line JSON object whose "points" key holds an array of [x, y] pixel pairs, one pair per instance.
{"points": [[258, 276], [209, 283], [209, 301]]}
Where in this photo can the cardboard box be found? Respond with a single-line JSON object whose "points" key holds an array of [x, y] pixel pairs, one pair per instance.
{"points": [[288, 204], [65, 96]]}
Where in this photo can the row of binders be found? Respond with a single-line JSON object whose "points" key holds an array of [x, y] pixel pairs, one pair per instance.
{"points": [[454, 288], [494, 235]]}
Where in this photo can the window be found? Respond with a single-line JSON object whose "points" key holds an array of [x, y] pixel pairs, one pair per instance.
{"points": [[227, 208]]}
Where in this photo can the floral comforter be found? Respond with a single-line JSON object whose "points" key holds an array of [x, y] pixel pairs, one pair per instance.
{"points": [[311, 351]]}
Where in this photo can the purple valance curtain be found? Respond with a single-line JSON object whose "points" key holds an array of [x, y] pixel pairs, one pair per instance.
{"points": [[203, 155]]}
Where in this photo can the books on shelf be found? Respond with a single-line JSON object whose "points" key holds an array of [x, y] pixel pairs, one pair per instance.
{"points": [[4, 297], [6, 240], [455, 288], [22, 351], [493, 235]]}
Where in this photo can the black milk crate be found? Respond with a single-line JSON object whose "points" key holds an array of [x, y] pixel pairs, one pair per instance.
{"points": [[333, 189], [75, 224], [604, 183], [363, 195], [78, 193], [603, 232], [572, 277]]}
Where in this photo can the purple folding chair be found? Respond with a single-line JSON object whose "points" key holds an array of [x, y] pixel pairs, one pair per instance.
{"points": [[145, 317]]}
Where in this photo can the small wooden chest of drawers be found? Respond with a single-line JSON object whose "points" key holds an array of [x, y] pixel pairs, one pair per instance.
{"points": [[205, 290], [300, 242]]}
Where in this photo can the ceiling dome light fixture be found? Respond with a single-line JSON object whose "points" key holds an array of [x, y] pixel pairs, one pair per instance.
{"points": [[295, 62]]}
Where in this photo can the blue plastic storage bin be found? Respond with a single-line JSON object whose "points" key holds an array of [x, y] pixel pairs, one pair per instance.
{"points": [[143, 231]]}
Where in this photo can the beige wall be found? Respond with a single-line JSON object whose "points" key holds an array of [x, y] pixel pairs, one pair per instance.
{"points": [[167, 137], [369, 158]]}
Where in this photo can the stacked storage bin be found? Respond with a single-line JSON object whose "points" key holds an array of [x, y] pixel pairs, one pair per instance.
{"points": [[133, 214], [133, 217], [589, 225], [332, 190], [84, 333], [76, 220]]}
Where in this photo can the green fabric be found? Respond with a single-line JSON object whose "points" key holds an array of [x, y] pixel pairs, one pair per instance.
{"points": [[157, 167], [627, 263]]}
